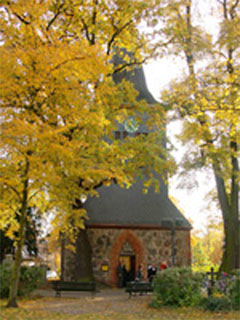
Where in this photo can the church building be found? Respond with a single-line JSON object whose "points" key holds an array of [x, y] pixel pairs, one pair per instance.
{"points": [[130, 226]]}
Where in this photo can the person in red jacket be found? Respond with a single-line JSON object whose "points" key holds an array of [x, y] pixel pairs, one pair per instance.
{"points": [[163, 265]]}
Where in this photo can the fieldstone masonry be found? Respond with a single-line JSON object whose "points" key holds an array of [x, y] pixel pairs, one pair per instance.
{"points": [[148, 246]]}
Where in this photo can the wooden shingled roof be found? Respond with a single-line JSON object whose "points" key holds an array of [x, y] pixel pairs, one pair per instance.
{"points": [[119, 207]]}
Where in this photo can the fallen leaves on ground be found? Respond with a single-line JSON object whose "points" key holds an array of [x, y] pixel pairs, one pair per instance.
{"points": [[106, 308]]}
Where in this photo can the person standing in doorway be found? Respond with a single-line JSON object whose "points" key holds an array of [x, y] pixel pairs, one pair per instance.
{"points": [[124, 271]]}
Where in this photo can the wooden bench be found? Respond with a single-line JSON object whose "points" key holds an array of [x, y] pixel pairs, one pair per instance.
{"points": [[60, 285], [138, 287]]}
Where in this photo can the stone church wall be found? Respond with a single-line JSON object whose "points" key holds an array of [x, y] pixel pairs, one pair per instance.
{"points": [[149, 246]]}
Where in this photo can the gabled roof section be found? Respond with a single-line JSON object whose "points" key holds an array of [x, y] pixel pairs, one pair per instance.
{"points": [[131, 207]]}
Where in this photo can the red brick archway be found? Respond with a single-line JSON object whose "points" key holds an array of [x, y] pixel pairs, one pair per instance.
{"points": [[138, 248]]}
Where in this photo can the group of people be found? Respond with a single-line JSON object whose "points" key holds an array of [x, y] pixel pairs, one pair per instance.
{"points": [[124, 276]]}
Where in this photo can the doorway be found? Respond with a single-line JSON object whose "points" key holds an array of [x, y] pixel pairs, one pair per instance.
{"points": [[129, 261], [126, 244]]}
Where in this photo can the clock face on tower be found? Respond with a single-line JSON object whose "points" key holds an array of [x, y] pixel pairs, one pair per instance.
{"points": [[131, 125]]}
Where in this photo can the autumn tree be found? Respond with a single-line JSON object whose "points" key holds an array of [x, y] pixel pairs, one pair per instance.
{"points": [[59, 107], [213, 240], [208, 101], [207, 244]]}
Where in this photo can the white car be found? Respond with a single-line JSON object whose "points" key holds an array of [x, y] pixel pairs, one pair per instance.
{"points": [[51, 275]]}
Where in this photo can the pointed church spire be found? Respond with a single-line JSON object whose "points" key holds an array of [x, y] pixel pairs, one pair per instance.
{"points": [[135, 76]]}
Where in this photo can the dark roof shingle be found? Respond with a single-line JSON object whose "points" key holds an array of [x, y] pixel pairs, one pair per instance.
{"points": [[119, 206]]}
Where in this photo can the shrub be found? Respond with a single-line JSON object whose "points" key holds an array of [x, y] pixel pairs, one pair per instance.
{"points": [[234, 291], [178, 287], [5, 275], [30, 279], [214, 303], [228, 286]]}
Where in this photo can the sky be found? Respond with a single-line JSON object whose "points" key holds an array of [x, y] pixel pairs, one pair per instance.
{"points": [[191, 202]]}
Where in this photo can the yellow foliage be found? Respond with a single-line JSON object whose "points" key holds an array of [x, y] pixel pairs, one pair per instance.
{"points": [[59, 103]]}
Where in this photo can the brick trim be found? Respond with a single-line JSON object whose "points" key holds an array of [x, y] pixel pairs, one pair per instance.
{"points": [[132, 227], [126, 235]]}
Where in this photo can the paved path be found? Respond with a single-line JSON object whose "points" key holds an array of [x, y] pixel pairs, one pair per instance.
{"points": [[107, 300], [111, 304]]}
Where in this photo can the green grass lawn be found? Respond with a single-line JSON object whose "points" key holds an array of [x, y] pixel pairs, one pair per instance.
{"points": [[31, 310]]}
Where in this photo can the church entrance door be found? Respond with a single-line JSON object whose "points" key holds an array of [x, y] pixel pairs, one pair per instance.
{"points": [[129, 261], [128, 246]]}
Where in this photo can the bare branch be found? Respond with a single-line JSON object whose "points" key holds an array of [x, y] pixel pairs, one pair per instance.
{"points": [[85, 28], [21, 18], [55, 16], [232, 9], [225, 11], [129, 64], [34, 194], [94, 20], [65, 62], [116, 33], [13, 189]]}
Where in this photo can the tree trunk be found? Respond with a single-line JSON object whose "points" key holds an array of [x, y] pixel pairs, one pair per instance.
{"points": [[231, 256], [77, 265], [12, 300], [229, 208], [230, 260], [83, 269]]}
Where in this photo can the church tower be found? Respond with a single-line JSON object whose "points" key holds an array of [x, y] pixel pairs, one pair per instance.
{"points": [[127, 225]]}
